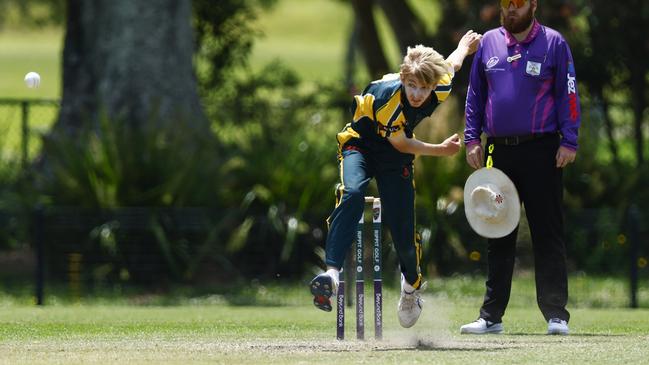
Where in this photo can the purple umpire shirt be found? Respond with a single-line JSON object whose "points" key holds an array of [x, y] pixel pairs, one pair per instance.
{"points": [[522, 88]]}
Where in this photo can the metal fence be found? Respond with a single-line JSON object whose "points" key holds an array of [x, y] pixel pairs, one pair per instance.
{"points": [[22, 123], [88, 250], [141, 246]]}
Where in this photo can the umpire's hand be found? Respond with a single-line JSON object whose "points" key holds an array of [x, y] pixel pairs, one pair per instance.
{"points": [[565, 156], [474, 156]]}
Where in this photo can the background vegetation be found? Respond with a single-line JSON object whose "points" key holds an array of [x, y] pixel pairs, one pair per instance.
{"points": [[275, 79]]}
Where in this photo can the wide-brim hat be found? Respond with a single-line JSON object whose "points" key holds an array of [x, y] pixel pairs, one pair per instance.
{"points": [[491, 203]]}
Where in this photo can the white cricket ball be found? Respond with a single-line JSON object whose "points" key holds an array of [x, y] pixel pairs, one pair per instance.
{"points": [[32, 80]]}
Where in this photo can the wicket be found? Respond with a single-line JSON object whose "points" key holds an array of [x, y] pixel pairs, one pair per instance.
{"points": [[358, 249]]}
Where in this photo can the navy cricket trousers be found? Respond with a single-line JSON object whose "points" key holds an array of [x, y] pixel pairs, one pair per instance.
{"points": [[397, 192]]}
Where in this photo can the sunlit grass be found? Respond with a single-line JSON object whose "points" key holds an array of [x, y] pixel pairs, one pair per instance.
{"points": [[30, 50], [312, 36], [309, 36], [27, 50], [217, 329]]}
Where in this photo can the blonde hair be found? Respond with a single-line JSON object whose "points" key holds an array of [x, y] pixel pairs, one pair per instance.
{"points": [[425, 64]]}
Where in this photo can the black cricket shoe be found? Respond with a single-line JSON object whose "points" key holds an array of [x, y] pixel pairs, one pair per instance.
{"points": [[323, 287]]}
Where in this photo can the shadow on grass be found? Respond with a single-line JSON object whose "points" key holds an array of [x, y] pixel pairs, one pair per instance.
{"points": [[22, 291], [446, 349]]}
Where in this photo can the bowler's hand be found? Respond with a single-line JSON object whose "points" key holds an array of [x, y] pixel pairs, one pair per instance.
{"points": [[565, 156], [474, 156], [452, 145], [470, 41]]}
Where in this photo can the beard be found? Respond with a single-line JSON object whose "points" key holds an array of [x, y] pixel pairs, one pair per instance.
{"points": [[517, 25]]}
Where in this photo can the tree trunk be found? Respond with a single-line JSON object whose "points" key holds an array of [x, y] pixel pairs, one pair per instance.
{"points": [[350, 61], [406, 25], [599, 101], [639, 104], [369, 39], [130, 61]]}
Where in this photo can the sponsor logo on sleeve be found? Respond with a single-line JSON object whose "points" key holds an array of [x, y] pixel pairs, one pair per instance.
{"points": [[572, 93]]}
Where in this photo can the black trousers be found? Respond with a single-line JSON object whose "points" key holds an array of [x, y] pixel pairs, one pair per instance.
{"points": [[531, 165]]}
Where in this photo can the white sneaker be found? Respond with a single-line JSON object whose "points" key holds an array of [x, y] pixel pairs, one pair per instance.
{"points": [[481, 326], [557, 326], [410, 305]]}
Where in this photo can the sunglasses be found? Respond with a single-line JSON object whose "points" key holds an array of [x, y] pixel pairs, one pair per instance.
{"points": [[517, 3]]}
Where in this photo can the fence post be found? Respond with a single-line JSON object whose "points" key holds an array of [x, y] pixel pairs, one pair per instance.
{"points": [[25, 132], [38, 222], [633, 253]]}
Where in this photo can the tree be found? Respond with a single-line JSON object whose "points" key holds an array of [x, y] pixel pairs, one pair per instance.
{"points": [[408, 28], [224, 36], [131, 60], [368, 38], [615, 68]]}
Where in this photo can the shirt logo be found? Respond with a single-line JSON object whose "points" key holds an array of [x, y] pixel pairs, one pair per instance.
{"points": [[493, 61], [572, 95], [533, 68], [405, 173], [572, 88]]}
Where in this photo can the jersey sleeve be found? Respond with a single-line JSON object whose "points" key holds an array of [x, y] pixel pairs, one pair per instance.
{"points": [[363, 107], [567, 96], [476, 97], [444, 86]]}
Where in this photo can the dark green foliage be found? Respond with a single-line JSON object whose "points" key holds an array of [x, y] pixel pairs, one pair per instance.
{"points": [[283, 167], [119, 178], [33, 13], [265, 176], [120, 164], [224, 36], [267, 173]]}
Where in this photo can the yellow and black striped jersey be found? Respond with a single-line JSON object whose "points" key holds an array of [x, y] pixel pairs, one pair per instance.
{"points": [[382, 110]]}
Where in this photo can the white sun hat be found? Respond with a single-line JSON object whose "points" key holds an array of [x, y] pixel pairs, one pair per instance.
{"points": [[491, 203]]}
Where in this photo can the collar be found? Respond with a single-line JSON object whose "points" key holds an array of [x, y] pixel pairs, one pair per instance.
{"points": [[511, 40]]}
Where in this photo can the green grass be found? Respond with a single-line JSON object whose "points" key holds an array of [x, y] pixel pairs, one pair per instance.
{"points": [[30, 50], [24, 51], [277, 324], [309, 36], [301, 334], [312, 37]]}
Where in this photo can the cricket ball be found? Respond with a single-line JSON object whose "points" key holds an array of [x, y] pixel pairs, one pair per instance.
{"points": [[32, 80]]}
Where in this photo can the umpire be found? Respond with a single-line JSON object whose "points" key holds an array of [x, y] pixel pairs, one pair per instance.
{"points": [[523, 96]]}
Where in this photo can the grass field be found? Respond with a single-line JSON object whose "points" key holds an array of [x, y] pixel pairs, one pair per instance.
{"points": [[309, 36], [24, 51], [278, 325], [30, 50], [219, 334], [312, 37]]}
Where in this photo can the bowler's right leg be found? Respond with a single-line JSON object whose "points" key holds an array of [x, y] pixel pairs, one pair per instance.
{"points": [[350, 201]]}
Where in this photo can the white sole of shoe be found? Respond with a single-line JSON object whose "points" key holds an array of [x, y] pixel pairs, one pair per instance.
{"points": [[489, 331]]}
